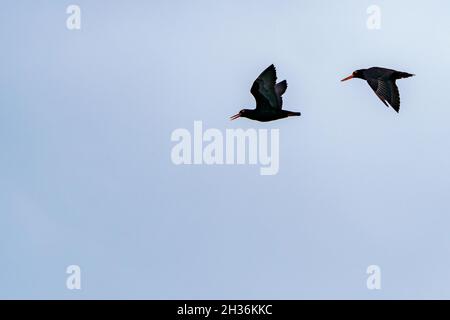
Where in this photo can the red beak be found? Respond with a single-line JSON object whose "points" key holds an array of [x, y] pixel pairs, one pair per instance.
{"points": [[235, 116], [348, 78]]}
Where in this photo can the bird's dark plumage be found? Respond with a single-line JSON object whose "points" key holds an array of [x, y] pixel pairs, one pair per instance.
{"points": [[383, 83], [268, 98], [263, 89]]}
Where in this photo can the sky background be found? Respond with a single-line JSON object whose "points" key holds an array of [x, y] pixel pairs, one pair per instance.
{"points": [[86, 176]]}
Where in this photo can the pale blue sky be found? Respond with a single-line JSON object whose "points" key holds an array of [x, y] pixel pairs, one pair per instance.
{"points": [[86, 175]]}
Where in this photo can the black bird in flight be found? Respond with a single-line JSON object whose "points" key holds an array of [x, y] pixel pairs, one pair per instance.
{"points": [[382, 82], [267, 94]]}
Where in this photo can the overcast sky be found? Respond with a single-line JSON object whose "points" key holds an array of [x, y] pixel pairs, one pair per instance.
{"points": [[87, 178]]}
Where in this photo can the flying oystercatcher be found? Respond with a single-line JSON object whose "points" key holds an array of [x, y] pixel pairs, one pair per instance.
{"points": [[267, 94], [382, 82]]}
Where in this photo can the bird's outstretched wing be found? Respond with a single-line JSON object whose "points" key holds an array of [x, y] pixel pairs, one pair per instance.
{"points": [[387, 91], [280, 89], [263, 89]]}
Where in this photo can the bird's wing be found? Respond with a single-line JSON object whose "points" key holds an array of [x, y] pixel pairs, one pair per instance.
{"points": [[387, 91], [263, 89], [280, 89]]}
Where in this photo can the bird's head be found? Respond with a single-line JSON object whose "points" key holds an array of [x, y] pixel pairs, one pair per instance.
{"points": [[244, 113], [356, 74]]}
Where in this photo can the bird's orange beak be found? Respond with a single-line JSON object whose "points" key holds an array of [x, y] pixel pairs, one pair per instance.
{"points": [[348, 78], [235, 116]]}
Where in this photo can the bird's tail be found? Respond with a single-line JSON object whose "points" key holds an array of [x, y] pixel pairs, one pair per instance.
{"points": [[293, 114], [401, 75]]}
